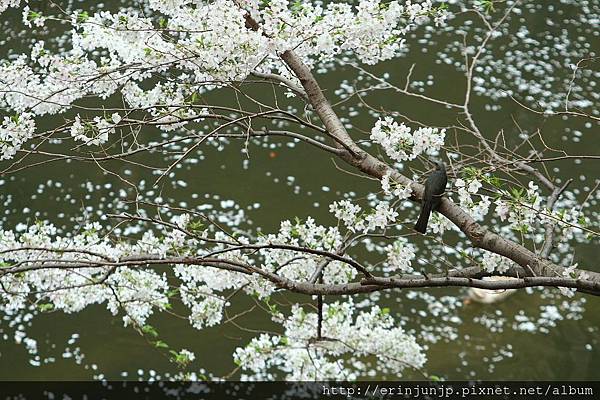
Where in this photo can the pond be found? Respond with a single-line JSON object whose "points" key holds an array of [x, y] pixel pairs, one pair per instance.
{"points": [[533, 335]]}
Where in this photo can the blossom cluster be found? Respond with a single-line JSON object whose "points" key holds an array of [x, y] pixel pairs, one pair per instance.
{"points": [[350, 340], [95, 133], [355, 220], [14, 131], [395, 189], [52, 281], [399, 255], [212, 45], [70, 273], [524, 210], [402, 143], [492, 262], [373, 30], [306, 234], [571, 272], [466, 190], [4, 4]]}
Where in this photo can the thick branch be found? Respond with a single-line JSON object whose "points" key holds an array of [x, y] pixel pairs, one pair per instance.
{"points": [[479, 235], [284, 81], [467, 277]]}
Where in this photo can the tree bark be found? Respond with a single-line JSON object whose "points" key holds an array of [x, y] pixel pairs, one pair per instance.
{"points": [[480, 236]]}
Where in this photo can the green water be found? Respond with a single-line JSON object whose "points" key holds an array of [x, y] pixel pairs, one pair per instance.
{"points": [[568, 351]]}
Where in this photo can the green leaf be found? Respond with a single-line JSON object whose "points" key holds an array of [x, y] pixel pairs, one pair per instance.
{"points": [[45, 307], [297, 7], [149, 330], [590, 236], [471, 172], [331, 311], [159, 344], [32, 15], [82, 16], [523, 228], [487, 5], [194, 226], [517, 193], [391, 39], [302, 315], [493, 180]]}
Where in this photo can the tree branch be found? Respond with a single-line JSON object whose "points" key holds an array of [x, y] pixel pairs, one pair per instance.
{"points": [[479, 235]]}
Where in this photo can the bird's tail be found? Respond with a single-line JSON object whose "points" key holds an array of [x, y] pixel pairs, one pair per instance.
{"points": [[421, 225]]}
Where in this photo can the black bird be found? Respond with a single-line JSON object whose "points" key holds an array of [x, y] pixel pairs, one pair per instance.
{"points": [[434, 189]]}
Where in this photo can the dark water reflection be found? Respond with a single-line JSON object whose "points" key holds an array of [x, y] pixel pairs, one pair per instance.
{"points": [[267, 194]]}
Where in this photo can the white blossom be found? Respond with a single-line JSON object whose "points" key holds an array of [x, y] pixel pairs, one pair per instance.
{"points": [[395, 189], [346, 332], [14, 132], [474, 186], [400, 255], [382, 216], [4, 4], [401, 143], [492, 262]]}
